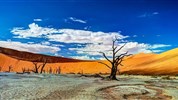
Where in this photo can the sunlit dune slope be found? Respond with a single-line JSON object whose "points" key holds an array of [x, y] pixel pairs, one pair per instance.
{"points": [[146, 64], [66, 67], [19, 60], [165, 64]]}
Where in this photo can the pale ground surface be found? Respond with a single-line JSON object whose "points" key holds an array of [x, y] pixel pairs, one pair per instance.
{"points": [[75, 87]]}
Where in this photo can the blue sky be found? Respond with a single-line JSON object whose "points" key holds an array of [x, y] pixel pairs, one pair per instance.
{"points": [[82, 28]]}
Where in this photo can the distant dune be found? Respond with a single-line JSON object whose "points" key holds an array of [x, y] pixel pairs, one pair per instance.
{"points": [[146, 64]]}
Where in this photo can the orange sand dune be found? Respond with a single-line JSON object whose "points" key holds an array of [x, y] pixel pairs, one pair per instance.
{"points": [[146, 64]]}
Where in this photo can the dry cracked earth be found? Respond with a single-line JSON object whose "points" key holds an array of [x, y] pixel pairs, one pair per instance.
{"points": [[76, 87]]}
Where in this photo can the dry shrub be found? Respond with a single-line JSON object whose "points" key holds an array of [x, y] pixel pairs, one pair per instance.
{"points": [[167, 78]]}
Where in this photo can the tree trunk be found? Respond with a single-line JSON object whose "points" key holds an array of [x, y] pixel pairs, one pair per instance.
{"points": [[36, 70], [113, 73]]}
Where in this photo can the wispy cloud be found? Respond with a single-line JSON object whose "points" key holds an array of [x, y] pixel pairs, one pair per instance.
{"points": [[155, 13], [37, 20], [148, 14], [155, 46], [85, 57], [30, 47], [77, 20]]}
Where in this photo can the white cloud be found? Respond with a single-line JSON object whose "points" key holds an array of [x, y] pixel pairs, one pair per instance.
{"points": [[158, 35], [155, 13], [66, 35], [157, 51], [95, 41], [37, 20], [83, 57], [135, 36], [35, 48], [87, 28], [155, 46], [131, 47], [82, 36], [45, 43], [33, 31], [148, 14], [77, 20]]}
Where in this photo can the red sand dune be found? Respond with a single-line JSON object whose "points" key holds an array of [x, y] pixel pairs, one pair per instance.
{"points": [[146, 64]]}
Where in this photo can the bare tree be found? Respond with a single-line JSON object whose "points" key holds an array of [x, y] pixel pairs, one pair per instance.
{"points": [[50, 70], [43, 65], [58, 70], [23, 70], [28, 71], [35, 67], [9, 68], [0, 68], [116, 60]]}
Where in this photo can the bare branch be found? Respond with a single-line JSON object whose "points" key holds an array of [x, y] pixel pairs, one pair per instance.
{"points": [[23, 69], [120, 60], [120, 48], [121, 55], [105, 64], [116, 38], [121, 64], [35, 63], [43, 65], [35, 67], [39, 66], [115, 48], [33, 70], [106, 57]]}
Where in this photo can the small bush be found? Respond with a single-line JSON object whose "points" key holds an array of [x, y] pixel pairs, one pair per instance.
{"points": [[154, 76], [167, 78]]}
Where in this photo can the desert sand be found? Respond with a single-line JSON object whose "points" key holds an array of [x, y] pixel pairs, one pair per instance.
{"points": [[77, 87], [142, 64]]}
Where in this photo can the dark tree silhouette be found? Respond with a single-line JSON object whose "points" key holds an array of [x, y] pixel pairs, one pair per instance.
{"points": [[58, 70], [43, 65], [9, 68], [37, 67], [116, 60], [50, 70], [23, 70], [0, 68]]}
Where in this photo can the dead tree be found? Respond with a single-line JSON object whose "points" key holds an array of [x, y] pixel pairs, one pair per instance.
{"points": [[35, 67], [23, 70], [58, 70], [10, 68], [0, 68], [27, 71], [115, 61], [50, 70], [42, 66]]}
